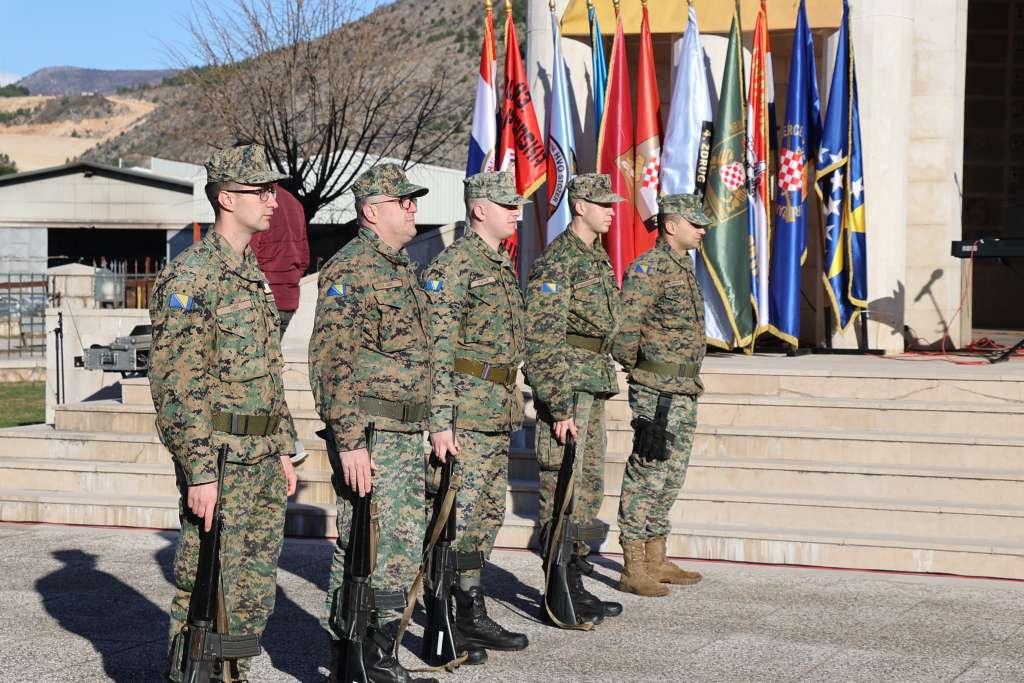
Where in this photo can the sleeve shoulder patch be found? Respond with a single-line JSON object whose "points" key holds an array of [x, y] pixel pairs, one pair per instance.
{"points": [[549, 288], [433, 285], [180, 301], [642, 269], [338, 290]]}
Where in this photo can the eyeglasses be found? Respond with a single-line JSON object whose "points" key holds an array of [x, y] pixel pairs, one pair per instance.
{"points": [[405, 203], [264, 193]]}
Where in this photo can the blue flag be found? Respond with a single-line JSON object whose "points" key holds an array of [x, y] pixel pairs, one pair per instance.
{"points": [[561, 144], [840, 184], [801, 131], [600, 69]]}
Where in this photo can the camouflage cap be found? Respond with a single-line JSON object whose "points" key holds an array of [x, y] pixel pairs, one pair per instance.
{"points": [[246, 164], [689, 206], [499, 187], [593, 187], [386, 179]]}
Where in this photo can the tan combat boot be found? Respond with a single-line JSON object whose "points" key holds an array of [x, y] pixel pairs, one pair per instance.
{"points": [[635, 578], [664, 571]]}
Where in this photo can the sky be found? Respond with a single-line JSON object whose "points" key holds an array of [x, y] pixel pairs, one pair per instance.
{"points": [[103, 34]]}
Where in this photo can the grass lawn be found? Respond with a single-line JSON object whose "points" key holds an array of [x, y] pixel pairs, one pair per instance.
{"points": [[22, 403]]}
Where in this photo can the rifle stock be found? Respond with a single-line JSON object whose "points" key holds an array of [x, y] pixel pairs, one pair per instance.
{"points": [[558, 550], [199, 653]]}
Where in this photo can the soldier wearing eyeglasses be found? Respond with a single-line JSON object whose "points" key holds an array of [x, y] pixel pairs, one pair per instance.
{"points": [[215, 376], [369, 361]]}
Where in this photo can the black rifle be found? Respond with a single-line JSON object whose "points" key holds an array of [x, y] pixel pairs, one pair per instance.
{"points": [[559, 547], [354, 601], [439, 579], [651, 438], [203, 652]]}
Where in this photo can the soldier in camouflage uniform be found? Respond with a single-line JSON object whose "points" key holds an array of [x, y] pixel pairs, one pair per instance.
{"points": [[573, 309], [661, 345], [369, 361], [215, 375], [478, 330]]}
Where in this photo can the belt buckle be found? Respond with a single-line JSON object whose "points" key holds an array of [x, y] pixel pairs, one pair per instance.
{"points": [[605, 344], [406, 412], [235, 428], [486, 371]]}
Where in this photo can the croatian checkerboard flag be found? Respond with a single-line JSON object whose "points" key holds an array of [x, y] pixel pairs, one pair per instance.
{"points": [[647, 152], [483, 136], [801, 130], [759, 124]]}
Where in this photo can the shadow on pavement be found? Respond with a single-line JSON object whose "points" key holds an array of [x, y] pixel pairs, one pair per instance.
{"points": [[110, 614]]}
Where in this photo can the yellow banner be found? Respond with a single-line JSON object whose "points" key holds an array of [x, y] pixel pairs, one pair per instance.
{"points": [[714, 16]]}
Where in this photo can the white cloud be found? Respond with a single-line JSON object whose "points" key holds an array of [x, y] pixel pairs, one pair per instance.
{"points": [[6, 78]]}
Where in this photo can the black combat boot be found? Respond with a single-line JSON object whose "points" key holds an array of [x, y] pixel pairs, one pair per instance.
{"points": [[477, 628], [590, 602], [381, 664], [474, 653]]}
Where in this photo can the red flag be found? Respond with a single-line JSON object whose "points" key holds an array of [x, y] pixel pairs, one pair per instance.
{"points": [[615, 155], [520, 145], [648, 144]]}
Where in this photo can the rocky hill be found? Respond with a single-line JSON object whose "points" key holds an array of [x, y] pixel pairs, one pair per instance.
{"points": [[442, 36], [71, 80]]}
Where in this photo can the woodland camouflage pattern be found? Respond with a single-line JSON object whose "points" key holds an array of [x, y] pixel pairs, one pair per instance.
{"points": [[385, 179], [246, 164], [216, 349], [663, 318], [663, 322]]}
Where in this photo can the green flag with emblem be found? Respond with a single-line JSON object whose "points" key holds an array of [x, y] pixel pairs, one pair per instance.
{"points": [[726, 249]]}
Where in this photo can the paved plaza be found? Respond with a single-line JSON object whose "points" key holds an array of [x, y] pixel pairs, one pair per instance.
{"points": [[88, 604]]}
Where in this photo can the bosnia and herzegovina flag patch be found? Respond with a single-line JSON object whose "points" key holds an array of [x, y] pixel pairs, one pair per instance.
{"points": [[642, 268], [433, 285], [180, 301], [549, 288], [338, 289]]}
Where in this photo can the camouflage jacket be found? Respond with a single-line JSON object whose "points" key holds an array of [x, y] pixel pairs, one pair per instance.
{"points": [[663, 320], [477, 313], [369, 339], [571, 290], [215, 350]]}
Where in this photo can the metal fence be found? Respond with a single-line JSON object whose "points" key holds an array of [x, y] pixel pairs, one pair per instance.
{"points": [[23, 301]]}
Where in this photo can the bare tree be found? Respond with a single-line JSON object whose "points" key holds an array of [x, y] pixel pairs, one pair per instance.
{"points": [[324, 94]]}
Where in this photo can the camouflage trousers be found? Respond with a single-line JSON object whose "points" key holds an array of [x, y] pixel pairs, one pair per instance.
{"points": [[480, 503], [650, 487], [253, 506], [398, 493], [591, 444]]}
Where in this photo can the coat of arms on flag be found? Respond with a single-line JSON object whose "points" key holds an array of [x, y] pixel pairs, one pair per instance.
{"points": [[733, 175], [792, 166]]}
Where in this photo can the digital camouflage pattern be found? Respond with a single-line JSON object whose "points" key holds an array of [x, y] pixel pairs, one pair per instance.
{"points": [[591, 445], [499, 188], [385, 179], [253, 508], [663, 318], [689, 206], [571, 290], [477, 313], [246, 164], [650, 487], [593, 187], [370, 338], [482, 464], [215, 349], [398, 494], [663, 321]]}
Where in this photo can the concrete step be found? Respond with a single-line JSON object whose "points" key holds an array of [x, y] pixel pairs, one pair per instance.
{"points": [[971, 556]]}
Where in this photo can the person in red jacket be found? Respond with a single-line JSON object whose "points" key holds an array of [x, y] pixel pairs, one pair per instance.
{"points": [[283, 253]]}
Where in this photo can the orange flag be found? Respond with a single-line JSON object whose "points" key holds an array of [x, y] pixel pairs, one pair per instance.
{"points": [[648, 143], [615, 155], [521, 145]]}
